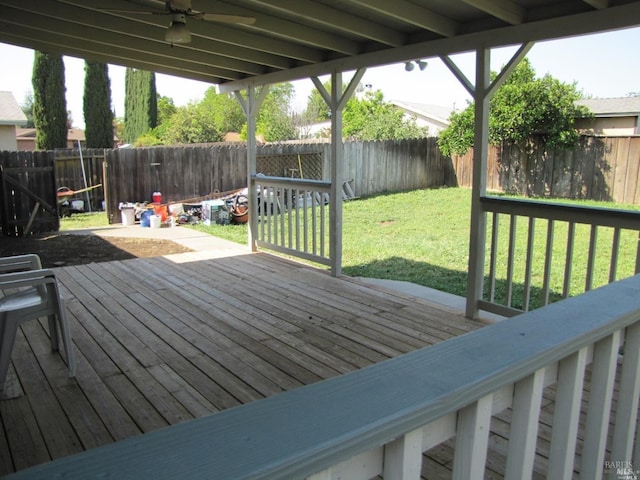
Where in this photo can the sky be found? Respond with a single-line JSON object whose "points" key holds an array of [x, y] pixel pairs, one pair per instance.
{"points": [[602, 66]]}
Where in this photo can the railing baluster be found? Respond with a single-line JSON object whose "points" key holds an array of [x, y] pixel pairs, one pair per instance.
{"points": [[493, 257], [314, 209], [298, 220], [472, 439], [403, 457], [568, 263], [511, 259], [523, 434], [283, 213], [637, 269], [305, 222], [546, 282], [566, 415], [627, 409], [529, 263], [290, 209], [322, 229], [615, 252], [591, 259], [605, 358]]}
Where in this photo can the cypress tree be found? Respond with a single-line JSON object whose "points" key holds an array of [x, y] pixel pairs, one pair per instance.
{"points": [[96, 106], [49, 102], [140, 103]]}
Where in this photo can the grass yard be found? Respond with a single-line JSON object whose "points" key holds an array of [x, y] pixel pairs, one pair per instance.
{"points": [[422, 237]]}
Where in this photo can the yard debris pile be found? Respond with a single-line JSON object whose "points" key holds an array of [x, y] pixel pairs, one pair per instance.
{"points": [[213, 209]]}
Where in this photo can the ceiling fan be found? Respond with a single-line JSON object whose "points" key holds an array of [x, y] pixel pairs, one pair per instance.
{"points": [[179, 11]]}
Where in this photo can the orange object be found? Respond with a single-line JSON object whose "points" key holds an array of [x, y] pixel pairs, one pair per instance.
{"points": [[161, 210]]}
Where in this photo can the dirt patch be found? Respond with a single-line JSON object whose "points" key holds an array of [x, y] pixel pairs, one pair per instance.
{"points": [[60, 249]]}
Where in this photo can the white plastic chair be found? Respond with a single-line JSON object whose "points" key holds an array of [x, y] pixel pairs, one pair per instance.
{"points": [[33, 294]]}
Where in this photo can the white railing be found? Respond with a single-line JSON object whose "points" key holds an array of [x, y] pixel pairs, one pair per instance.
{"points": [[380, 420], [293, 216], [582, 248]]}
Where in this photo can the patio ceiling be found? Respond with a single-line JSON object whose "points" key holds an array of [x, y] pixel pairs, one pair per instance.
{"points": [[293, 39]]}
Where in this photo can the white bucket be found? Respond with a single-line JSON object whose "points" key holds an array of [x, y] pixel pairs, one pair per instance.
{"points": [[128, 216], [77, 205], [155, 221]]}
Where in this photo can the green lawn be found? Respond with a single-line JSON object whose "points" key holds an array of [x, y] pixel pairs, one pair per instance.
{"points": [[423, 236]]}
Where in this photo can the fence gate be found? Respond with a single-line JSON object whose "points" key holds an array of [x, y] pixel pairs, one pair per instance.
{"points": [[28, 192]]}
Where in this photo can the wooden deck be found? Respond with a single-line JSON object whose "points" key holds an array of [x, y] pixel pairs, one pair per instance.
{"points": [[166, 339]]}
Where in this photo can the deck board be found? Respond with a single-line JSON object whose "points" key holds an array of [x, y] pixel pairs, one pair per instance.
{"points": [[163, 340]]}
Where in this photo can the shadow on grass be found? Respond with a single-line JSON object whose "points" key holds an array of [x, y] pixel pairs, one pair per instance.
{"points": [[443, 279]]}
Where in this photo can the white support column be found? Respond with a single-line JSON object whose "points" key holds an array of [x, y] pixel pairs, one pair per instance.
{"points": [[336, 100], [482, 92], [251, 106], [337, 161], [478, 231]]}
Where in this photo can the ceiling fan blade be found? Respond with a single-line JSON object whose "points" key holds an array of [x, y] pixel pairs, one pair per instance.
{"points": [[216, 17]]}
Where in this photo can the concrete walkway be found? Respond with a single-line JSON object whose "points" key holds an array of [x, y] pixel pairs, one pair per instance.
{"points": [[187, 237]]}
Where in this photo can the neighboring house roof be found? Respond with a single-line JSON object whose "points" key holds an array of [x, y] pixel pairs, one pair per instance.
{"points": [[10, 111], [25, 132], [612, 107], [434, 113]]}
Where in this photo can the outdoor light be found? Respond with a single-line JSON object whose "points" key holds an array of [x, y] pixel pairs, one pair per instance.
{"points": [[178, 31], [409, 66]]}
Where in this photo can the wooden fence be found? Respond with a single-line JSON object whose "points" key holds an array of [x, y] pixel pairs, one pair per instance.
{"points": [[600, 168], [28, 192]]}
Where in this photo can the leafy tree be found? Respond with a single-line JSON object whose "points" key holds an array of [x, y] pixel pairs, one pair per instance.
{"points": [[49, 102], [203, 122], [96, 103], [317, 109], [225, 110], [140, 103], [371, 118], [189, 124], [27, 108], [523, 108], [166, 108], [275, 119]]}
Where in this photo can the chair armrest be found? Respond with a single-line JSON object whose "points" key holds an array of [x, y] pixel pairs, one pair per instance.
{"points": [[29, 278], [30, 261]]}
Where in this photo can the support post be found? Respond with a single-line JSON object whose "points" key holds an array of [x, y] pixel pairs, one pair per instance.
{"points": [[250, 106], [478, 232], [336, 100]]}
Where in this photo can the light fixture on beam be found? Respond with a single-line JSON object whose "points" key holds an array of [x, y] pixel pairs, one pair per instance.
{"points": [[409, 66], [178, 31]]}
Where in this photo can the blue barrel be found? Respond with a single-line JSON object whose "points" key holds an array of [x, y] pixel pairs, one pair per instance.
{"points": [[145, 218]]}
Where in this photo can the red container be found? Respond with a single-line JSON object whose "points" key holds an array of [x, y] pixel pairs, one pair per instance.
{"points": [[157, 197]]}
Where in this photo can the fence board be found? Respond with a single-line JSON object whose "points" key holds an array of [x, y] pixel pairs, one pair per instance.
{"points": [[28, 190]]}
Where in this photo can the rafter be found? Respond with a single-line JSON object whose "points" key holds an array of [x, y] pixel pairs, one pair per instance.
{"points": [[335, 19], [505, 10], [413, 15]]}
